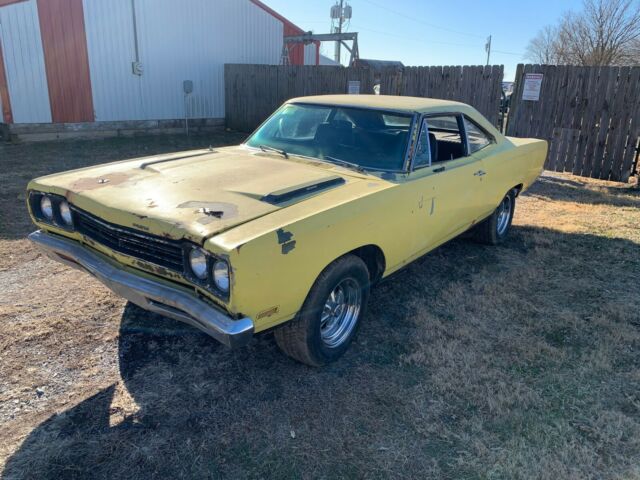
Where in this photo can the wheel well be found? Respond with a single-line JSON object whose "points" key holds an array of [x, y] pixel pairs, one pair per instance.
{"points": [[518, 189], [373, 257]]}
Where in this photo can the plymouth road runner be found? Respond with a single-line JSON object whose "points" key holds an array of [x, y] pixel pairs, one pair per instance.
{"points": [[289, 230]]}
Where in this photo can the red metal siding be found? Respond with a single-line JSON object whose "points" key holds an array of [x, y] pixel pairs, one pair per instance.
{"points": [[7, 116], [9, 2], [66, 60], [296, 52]]}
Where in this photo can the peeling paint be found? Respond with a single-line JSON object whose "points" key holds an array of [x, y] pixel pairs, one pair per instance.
{"points": [[141, 227], [111, 179], [211, 213], [158, 270], [283, 236], [269, 312], [287, 247], [212, 210]]}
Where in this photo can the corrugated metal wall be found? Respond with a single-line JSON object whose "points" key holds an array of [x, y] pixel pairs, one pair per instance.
{"points": [[24, 63], [310, 54], [65, 58], [177, 41]]}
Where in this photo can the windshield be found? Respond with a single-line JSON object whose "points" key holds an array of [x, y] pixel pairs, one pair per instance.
{"points": [[368, 138]]}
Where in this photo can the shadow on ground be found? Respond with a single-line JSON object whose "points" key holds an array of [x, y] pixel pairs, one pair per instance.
{"points": [[562, 189], [197, 409]]}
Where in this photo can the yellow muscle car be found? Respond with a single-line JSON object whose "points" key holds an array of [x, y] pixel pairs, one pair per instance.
{"points": [[293, 227]]}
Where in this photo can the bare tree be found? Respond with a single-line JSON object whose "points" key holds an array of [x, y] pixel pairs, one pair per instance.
{"points": [[606, 32], [634, 52], [544, 48]]}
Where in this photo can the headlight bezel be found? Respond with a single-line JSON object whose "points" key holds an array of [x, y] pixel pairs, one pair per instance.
{"points": [[207, 282], [57, 220]]}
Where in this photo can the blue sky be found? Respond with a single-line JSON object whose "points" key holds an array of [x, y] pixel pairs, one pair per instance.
{"points": [[435, 32]]}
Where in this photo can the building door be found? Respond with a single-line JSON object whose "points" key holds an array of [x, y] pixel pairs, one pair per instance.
{"points": [[66, 60], [24, 63]]}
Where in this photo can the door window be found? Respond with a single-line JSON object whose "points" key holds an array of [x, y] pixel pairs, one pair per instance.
{"points": [[446, 138]]}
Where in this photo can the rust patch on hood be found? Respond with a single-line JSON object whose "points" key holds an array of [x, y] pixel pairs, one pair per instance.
{"points": [[110, 179]]}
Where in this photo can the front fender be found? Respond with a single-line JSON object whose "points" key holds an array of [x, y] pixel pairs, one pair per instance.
{"points": [[274, 269]]}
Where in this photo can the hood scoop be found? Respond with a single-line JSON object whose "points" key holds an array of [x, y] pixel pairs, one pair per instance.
{"points": [[302, 190], [172, 158]]}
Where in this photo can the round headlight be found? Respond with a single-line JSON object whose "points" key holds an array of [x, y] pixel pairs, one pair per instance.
{"points": [[221, 275], [198, 263], [65, 213], [46, 208]]}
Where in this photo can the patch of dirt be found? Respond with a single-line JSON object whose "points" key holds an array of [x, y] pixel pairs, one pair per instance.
{"points": [[517, 361]]}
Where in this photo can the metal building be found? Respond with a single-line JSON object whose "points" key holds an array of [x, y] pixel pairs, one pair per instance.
{"points": [[147, 63]]}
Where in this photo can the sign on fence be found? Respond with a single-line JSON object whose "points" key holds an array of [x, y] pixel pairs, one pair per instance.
{"points": [[532, 86], [354, 87], [589, 115]]}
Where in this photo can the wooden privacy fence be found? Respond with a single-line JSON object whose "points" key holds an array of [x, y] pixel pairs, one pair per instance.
{"points": [[253, 92], [589, 115]]}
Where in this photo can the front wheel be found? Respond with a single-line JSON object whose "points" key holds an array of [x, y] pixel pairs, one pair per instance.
{"points": [[330, 315], [495, 228]]}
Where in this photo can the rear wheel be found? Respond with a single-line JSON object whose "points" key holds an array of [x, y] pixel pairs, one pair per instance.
{"points": [[495, 228], [330, 316]]}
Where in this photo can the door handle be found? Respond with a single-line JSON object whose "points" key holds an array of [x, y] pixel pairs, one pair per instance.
{"points": [[480, 173]]}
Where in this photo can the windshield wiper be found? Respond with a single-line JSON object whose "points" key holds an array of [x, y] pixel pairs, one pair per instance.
{"points": [[344, 163], [267, 148]]}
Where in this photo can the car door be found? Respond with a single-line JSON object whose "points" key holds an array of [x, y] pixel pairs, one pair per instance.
{"points": [[447, 178], [481, 145]]}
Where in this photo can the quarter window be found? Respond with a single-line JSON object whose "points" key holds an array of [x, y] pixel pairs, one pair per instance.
{"points": [[423, 153], [477, 138]]}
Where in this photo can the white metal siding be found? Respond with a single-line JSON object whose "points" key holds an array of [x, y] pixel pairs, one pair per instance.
{"points": [[310, 54], [178, 40], [24, 63], [110, 45]]}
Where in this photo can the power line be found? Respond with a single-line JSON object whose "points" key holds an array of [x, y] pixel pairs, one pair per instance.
{"points": [[404, 15], [428, 42], [508, 53], [413, 39]]}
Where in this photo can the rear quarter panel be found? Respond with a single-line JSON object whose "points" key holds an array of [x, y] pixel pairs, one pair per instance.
{"points": [[518, 163]]}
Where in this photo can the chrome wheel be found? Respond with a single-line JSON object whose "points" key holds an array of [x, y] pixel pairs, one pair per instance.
{"points": [[504, 215], [340, 313]]}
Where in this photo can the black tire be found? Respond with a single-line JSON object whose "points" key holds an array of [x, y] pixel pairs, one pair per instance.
{"points": [[301, 338], [491, 231]]}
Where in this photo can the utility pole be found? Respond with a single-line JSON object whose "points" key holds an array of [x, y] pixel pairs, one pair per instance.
{"points": [[487, 47], [339, 30]]}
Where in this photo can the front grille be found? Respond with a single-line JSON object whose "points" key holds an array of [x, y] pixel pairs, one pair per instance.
{"points": [[160, 251]]}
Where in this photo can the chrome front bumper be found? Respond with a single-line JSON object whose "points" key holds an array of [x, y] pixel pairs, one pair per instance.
{"points": [[148, 294]]}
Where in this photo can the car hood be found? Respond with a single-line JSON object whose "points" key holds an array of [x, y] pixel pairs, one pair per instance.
{"points": [[195, 194]]}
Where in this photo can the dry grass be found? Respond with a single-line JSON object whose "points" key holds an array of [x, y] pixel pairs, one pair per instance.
{"points": [[521, 361]]}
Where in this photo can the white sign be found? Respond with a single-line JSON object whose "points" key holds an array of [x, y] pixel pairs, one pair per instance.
{"points": [[532, 86], [353, 87]]}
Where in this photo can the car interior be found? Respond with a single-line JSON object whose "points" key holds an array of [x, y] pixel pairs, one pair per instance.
{"points": [[348, 139]]}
